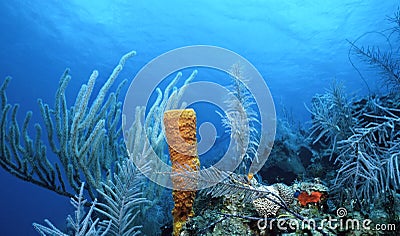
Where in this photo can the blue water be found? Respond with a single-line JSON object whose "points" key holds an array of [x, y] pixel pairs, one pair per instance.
{"points": [[297, 47]]}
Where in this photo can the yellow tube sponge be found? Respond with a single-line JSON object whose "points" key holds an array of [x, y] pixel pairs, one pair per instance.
{"points": [[180, 132]]}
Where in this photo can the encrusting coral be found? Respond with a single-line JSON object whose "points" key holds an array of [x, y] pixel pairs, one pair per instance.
{"points": [[306, 198], [268, 206], [310, 192], [180, 131]]}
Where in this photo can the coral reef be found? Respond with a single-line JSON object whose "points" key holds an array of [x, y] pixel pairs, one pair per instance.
{"points": [[361, 136], [87, 139], [309, 186], [242, 205], [365, 150], [212, 217], [180, 132], [358, 138], [352, 145]]}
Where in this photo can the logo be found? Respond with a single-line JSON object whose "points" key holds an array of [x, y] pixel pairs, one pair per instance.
{"points": [[147, 82]]}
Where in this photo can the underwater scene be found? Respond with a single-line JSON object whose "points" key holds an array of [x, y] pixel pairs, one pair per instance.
{"points": [[200, 117]]}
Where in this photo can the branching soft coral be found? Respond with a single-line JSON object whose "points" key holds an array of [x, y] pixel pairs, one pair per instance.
{"points": [[368, 156], [386, 61], [241, 119], [332, 117], [368, 159], [81, 224], [365, 137], [123, 200], [85, 137]]}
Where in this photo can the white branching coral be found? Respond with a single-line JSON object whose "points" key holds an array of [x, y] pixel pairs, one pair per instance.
{"points": [[332, 116], [123, 200], [241, 119], [81, 224], [368, 159], [364, 138], [85, 137]]}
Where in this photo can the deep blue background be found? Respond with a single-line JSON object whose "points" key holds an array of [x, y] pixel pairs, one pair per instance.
{"points": [[298, 48]]}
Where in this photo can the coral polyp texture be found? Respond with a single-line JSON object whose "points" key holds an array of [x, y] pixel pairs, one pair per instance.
{"points": [[180, 131], [269, 206]]}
